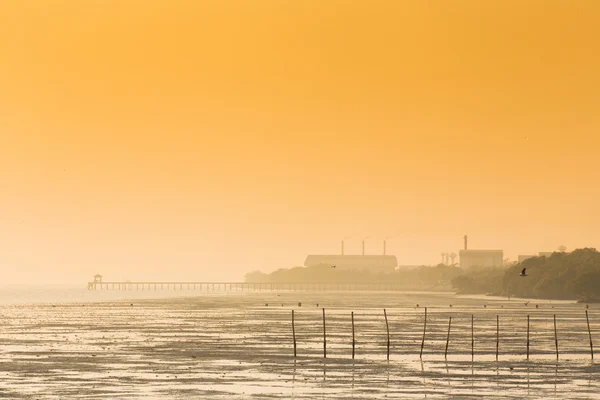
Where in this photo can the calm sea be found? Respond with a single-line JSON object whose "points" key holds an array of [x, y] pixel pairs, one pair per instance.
{"points": [[35, 294]]}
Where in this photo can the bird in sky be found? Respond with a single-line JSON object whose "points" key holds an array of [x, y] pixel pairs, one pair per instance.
{"points": [[524, 272], [333, 266]]}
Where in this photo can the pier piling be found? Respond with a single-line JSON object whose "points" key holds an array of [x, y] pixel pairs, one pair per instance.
{"points": [[424, 330], [472, 339], [447, 339], [294, 332], [324, 337], [587, 318], [388, 334], [353, 342], [527, 337], [497, 335], [555, 337]]}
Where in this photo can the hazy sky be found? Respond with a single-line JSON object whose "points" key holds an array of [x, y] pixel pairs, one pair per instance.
{"points": [[149, 139]]}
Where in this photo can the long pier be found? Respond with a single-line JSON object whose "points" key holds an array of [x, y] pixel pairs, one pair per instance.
{"points": [[244, 286]]}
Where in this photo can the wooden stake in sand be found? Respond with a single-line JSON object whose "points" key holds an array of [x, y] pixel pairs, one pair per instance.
{"points": [[294, 333], [447, 339], [324, 337], [424, 330], [497, 335], [353, 343], [388, 333], [555, 337], [528, 337], [472, 339], [587, 318]]}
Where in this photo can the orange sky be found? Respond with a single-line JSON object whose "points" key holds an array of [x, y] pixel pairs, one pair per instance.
{"points": [[192, 139]]}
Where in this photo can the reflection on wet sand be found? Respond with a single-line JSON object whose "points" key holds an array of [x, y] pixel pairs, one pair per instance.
{"points": [[220, 346]]}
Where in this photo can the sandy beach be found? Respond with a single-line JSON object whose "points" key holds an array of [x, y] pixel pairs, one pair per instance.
{"points": [[236, 346]]}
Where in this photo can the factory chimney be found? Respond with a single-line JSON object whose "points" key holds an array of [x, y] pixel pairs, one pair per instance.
{"points": [[342, 247], [384, 247], [466, 248], [363, 245]]}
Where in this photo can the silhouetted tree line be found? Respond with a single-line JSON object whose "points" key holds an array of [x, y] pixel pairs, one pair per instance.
{"points": [[567, 276], [424, 277]]}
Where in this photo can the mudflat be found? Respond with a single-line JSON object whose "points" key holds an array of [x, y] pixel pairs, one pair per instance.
{"points": [[240, 345]]}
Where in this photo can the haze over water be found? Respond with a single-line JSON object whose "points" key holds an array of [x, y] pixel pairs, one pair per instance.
{"points": [[56, 294]]}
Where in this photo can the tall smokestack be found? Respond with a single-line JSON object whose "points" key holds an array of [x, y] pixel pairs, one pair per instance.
{"points": [[384, 247], [466, 239], [363, 243], [342, 247]]}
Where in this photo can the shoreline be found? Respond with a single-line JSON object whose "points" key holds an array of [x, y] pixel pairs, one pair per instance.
{"points": [[55, 294]]}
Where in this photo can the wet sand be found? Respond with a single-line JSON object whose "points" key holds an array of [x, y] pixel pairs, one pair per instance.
{"points": [[233, 346]]}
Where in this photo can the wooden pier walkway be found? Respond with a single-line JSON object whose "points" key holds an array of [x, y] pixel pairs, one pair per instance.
{"points": [[244, 286]]}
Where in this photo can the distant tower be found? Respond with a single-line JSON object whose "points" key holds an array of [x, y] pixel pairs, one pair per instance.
{"points": [[363, 246], [453, 257], [342, 247], [447, 258], [466, 240], [384, 247]]}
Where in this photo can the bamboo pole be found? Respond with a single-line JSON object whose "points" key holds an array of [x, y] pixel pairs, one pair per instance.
{"points": [[497, 335], [294, 333], [472, 339], [324, 337], [587, 318], [388, 333], [447, 339], [555, 337], [424, 330], [353, 343], [528, 337]]}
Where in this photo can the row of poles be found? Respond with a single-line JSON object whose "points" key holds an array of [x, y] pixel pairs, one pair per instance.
{"points": [[387, 327]]}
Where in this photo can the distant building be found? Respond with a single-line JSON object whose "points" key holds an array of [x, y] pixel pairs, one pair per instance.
{"points": [[481, 258], [540, 254], [374, 263], [525, 257], [405, 267]]}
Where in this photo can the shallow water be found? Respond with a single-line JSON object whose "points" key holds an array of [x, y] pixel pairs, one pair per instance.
{"points": [[234, 346]]}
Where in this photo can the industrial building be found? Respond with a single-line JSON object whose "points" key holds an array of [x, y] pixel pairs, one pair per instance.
{"points": [[480, 258], [373, 263], [540, 254], [524, 257]]}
